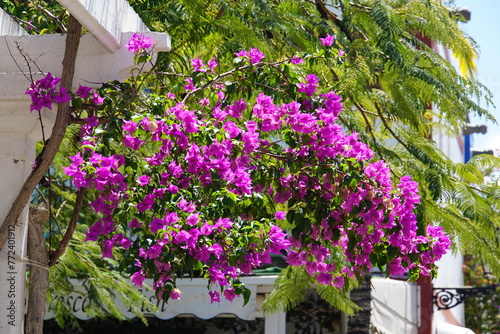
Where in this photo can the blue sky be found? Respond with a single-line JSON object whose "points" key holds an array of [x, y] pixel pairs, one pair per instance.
{"points": [[484, 28]]}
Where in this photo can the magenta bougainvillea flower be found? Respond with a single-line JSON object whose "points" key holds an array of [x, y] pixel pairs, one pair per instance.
{"points": [[139, 43], [296, 60], [328, 40], [83, 91], [253, 55], [44, 92], [214, 297]]}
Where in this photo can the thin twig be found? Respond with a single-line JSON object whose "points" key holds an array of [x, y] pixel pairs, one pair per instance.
{"points": [[42, 127], [389, 128], [170, 74], [29, 24], [70, 230], [29, 61], [76, 120], [24, 260], [366, 8], [218, 77], [53, 17], [367, 121], [17, 64]]}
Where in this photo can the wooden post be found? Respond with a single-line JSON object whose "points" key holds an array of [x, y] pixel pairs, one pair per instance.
{"points": [[425, 284], [39, 270]]}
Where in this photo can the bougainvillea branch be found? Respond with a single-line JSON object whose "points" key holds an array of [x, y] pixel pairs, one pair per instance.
{"points": [[61, 248], [237, 172]]}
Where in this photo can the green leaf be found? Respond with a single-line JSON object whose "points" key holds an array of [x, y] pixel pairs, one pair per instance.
{"points": [[246, 295]]}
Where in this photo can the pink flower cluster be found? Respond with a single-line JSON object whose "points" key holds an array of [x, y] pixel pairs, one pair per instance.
{"points": [[196, 188], [199, 66], [328, 40], [254, 55], [139, 43], [44, 92]]}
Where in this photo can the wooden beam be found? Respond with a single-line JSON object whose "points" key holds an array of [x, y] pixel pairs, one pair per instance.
{"points": [[8, 26], [108, 20]]}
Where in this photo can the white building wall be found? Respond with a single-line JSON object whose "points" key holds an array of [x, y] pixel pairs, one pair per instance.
{"points": [[395, 306]]}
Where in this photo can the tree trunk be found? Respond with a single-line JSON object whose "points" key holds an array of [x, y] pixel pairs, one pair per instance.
{"points": [[39, 270]]}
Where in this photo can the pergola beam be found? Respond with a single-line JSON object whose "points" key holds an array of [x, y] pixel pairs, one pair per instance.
{"points": [[108, 20], [8, 26]]}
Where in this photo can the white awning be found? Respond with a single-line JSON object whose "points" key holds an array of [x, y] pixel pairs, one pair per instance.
{"points": [[195, 301]]}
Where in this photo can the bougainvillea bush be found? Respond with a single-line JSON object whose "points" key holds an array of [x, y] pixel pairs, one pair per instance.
{"points": [[210, 173]]}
